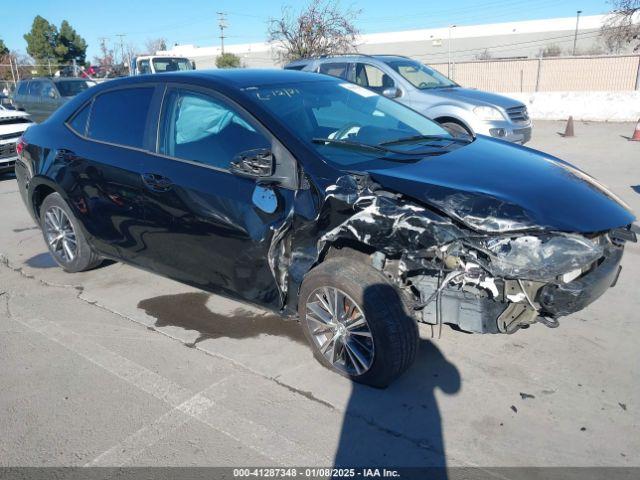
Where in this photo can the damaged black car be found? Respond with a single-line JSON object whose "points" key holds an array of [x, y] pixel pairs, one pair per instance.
{"points": [[325, 202]]}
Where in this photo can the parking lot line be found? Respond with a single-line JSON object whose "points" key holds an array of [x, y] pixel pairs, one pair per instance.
{"points": [[121, 453], [264, 441]]}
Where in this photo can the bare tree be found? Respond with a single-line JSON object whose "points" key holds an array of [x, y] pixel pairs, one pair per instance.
{"points": [[106, 57], [154, 45], [320, 28], [485, 55], [623, 26], [550, 50]]}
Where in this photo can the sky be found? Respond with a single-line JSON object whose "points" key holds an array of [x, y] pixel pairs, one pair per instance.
{"points": [[195, 21]]}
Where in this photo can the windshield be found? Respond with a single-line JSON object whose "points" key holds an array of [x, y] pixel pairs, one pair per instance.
{"points": [[71, 88], [339, 118], [421, 76], [171, 64]]}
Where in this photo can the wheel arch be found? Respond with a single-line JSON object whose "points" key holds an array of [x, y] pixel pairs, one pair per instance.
{"points": [[459, 121], [41, 188]]}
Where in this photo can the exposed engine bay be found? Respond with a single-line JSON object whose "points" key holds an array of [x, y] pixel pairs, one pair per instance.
{"points": [[474, 281]]}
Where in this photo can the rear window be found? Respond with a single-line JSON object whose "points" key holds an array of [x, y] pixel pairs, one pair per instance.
{"points": [[120, 116], [79, 121]]}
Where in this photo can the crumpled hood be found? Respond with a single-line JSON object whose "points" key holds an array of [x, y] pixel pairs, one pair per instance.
{"points": [[477, 97], [493, 186]]}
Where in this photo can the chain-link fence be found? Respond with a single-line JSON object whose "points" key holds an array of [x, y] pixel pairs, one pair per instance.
{"points": [[548, 74]]}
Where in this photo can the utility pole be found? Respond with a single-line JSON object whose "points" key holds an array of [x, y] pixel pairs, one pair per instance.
{"points": [[222, 23], [449, 45], [575, 36], [121, 37]]}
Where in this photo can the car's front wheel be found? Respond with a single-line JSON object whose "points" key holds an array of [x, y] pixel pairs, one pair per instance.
{"points": [[65, 240], [355, 321]]}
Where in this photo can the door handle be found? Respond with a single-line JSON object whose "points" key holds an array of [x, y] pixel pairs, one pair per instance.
{"points": [[156, 183]]}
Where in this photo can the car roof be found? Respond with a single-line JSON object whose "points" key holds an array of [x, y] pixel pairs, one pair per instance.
{"points": [[56, 79], [387, 58], [348, 57], [235, 77]]}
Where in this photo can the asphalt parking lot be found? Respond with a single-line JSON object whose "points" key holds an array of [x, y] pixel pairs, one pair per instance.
{"points": [[120, 367]]}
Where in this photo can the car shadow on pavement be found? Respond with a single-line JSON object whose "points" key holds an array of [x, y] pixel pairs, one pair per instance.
{"points": [[405, 415], [41, 260]]}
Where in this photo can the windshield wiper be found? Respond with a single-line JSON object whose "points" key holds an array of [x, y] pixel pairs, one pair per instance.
{"points": [[415, 138], [373, 148], [349, 143]]}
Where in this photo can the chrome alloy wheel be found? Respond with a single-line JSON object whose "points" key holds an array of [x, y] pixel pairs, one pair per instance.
{"points": [[340, 330], [60, 234]]}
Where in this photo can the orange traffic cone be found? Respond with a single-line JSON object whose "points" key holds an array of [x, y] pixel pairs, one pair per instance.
{"points": [[568, 131], [636, 133]]}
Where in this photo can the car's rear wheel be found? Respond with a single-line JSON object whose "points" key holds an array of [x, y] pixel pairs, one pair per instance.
{"points": [[65, 240], [355, 322]]}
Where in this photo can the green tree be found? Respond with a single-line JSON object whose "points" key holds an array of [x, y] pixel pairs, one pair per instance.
{"points": [[228, 60], [3, 48], [46, 43], [41, 40], [69, 45]]}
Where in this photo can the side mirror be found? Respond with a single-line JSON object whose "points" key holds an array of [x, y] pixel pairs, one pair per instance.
{"points": [[392, 92], [52, 94], [256, 163]]}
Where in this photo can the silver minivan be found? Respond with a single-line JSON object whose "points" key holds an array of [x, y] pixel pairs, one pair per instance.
{"points": [[462, 111], [40, 97]]}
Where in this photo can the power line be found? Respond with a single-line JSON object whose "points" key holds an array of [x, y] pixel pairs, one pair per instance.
{"points": [[222, 23]]}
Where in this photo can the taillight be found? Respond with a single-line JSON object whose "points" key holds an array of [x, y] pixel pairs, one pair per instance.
{"points": [[20, 146]]}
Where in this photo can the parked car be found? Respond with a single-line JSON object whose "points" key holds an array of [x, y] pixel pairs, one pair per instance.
{"points": [[462, 111], [89, 72], [159, 64], [12, 125], [40, 97], [324, 201]]}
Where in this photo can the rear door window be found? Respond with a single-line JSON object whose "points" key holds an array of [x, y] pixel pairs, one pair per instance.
{"points": [[120, 116], [335, 69], [79, 121]]}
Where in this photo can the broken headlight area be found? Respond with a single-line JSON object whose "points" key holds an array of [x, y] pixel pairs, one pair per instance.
{"points": [[501, 285], [478, 282]]}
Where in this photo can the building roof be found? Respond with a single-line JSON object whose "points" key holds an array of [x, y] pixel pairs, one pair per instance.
{"points": [[587, 22]]}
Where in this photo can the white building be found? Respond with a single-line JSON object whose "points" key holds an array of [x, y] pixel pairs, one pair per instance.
{"points": [[497, 40]]}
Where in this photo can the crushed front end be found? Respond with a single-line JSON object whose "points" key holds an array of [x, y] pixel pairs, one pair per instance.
{"points": [[475, 281]]}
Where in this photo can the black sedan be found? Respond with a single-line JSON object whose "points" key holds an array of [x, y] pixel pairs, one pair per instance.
{"points": [[324, 201]]}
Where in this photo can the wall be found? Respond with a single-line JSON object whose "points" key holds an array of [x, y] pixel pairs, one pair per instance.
{"points": [[555, 74], [593, 106]]}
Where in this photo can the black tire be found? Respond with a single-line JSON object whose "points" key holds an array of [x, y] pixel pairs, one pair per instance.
{"points": [[456, 129], [394, 333], [85, 258]]}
